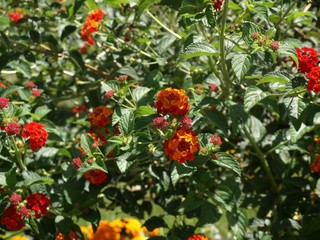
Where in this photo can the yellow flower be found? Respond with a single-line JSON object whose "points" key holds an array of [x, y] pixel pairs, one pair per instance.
{"points": [[19, 238]]}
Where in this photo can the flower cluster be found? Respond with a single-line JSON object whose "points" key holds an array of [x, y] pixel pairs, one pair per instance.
{"points": [[16, 15], [91, 25], [36, 135], [4, 102], [99, 116], [126, 228], [174, 101], [315, 166], [217, 4], [198, 237], [182, 146], [72, 236], [34, 205], [96, 176]]}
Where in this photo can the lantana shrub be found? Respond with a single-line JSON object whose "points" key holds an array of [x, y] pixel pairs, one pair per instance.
{"points": [[158, 119]]}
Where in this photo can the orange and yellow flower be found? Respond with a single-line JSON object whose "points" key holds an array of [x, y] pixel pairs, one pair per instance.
{"points": [[174, 101], [99, 116], [198, 237], [91, 25], [182, 146]]}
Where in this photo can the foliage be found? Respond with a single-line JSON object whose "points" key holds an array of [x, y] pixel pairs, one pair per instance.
{"points": [[182, 114]]}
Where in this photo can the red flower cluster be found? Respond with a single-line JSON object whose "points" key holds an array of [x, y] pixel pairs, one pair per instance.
{"points": [[198, 237], [12, 128], [16, 15], [307, 58], [99, 116], [217, 4], [96, 176], [182, 146], [315, 166], [185, 122], [30, 85], [174, 101], [314, 80], [4, 102], [160, 122], [215, 140], [13, 217], [36, 134], [91, 25]]}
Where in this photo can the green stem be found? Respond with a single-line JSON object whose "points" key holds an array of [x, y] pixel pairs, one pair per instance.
{"points": [[278, 146], [226, 78], [18, 154], [162, 25], [263, 161]]}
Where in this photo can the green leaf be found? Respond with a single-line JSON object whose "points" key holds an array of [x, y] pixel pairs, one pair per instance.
{"points": [[262, 11], [238, 222], [11, 177], [140, 92], [126, 123], [154, 222], [295, 135], [143, 5], [32, 178], [130, 71], [234, 6], [218, 119], [67, 31], [225, 198], [76, 58], [86, 142], [33, 225], [144, 111], [4, 39], [279, 77], [42, 111], [24, 68], [256, 128], [191, 202], [111, 85], [176, 4], [228, 161], [316, 118], [211, 15], [288, 49], [35, 36], [247, 29], [240, 64], [74, 9], [209, 214], [252, 96], [197, 49], [295, 106], [179, 170]]}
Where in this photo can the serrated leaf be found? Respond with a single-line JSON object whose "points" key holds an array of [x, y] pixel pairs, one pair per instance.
{"points": [[86, 143], [252, 96], [295, 135], [11, 177], [32, 178], [316, 118], [238, 222], [256, 128], [209, 214], [262, 11], [24, 68], [130, 71], [47, 152], [218, 119], [180, 170], [241, 64], [287, 49], [144, 111], [247, 29], [140, 92], [278, 77], [154, 222], [42, 111], [197, 49], [191, 202], [211, 15], [126, 123], [33, 225], [225, 198], [228, 161], [295, 105], [111, 85]]}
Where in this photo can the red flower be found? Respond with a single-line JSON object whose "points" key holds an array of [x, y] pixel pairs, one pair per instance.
{"points": [[24, 212], [274, 46], [91, 25], [314, 80], [11, 219], [15, 198], [96, 176], [185, 122], [36, 92], [217, 4], [12, 128], [307, 58], [198, 237], [108, 94], [30, 85], [16, 15], [76, 163], [315, 166], [214, 87], [182, 146], [79, 109], [36, 134], [39, 203], [174, 101], [99, 116], [215, 140], [4, 102], [160, 122]]}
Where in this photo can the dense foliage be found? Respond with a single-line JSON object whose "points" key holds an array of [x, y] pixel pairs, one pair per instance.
{"points": [[181, 117]]}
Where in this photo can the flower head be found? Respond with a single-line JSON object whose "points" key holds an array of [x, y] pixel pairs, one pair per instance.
{"points": [[214, 87], [99, 116], [274, 46], [96, 176], [91, 25], [185, 122], [174, 101], [4, 102], [198, 237], [36, 134], [215, 140], [76, 163], [217, 4], [314, 80], [15, 198], [182, 146], [38, 203], [12, 128], [108, 94], [160, 122], [36, 92], [307, 58], [315, 166], [16, 15], [79, 109], [11, 219], [30, 85]]}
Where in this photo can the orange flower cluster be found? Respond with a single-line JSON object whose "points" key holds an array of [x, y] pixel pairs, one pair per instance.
{"points": [[72, 236], [198, 237], [99, 116], [119, 229], [174, 101], [91, 25], [315, 166], [182, 146]]}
